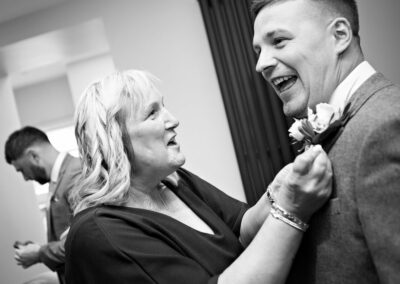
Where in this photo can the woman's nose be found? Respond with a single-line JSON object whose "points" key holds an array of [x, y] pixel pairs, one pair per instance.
{"points": [[170, 120]]}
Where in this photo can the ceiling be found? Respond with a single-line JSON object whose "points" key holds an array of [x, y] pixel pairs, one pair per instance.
{"points": [[11, 9], [44, 56]]}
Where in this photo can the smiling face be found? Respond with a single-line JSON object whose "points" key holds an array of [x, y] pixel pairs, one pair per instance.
{"points": [[152, 132], [296, 53]]}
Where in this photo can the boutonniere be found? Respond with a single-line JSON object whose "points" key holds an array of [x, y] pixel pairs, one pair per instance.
{"points": [[317, 126]]}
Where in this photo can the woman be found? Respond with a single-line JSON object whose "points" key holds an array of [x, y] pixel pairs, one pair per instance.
{"points": [[141, 218]]}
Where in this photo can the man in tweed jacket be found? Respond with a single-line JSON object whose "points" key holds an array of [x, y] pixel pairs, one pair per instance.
{"points": [[32, 154], [309, 51]]}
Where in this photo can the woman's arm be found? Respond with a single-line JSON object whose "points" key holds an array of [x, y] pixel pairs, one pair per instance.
{"points": [[255, 216], [269, 256], [253, 219]]}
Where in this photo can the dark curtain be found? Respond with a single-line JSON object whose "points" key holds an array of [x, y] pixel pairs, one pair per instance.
{"points": [[256, 120]]}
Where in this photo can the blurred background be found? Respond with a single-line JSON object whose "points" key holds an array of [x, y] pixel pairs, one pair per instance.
{"points": [[51, 49]]}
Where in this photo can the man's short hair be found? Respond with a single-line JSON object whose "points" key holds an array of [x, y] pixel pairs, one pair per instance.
{"points": [[344, 8], [21, 140]]}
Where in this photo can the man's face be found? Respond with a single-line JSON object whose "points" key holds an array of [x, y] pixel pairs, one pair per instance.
{"points": [[296, 54], [29, 169]]}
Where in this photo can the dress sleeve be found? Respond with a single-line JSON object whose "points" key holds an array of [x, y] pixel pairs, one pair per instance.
{"points": [[110, 250], [230, 210], [378, 197]]}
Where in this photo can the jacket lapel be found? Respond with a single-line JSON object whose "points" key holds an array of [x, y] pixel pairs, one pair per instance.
{"points": [[55, 198], [375, 83], [366, 91]]}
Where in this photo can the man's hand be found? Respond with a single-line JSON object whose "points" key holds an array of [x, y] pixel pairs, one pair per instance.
{"points": [[27, 255]]}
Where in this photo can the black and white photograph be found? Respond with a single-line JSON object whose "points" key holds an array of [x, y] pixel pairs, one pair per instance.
{"points": [[199, 142]]}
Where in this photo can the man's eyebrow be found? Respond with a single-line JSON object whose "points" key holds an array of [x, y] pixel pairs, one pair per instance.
{"points": [[266, 36], [277, 31], [270, 34]]}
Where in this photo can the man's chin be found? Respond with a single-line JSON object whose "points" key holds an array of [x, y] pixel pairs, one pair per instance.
{"points": [[295, 112]]}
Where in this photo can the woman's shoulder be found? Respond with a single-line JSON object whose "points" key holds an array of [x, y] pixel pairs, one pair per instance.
{"points": [[185, 174], [192, 180], [192, 184], [85, 221], [103, 215], [96, 219], [103, 225]]}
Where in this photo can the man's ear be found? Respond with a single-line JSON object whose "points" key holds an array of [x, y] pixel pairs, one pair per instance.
{"points": [[342, 33], [33, 155]]}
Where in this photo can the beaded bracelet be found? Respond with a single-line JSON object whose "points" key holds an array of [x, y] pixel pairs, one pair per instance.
{"points": [[269, 195], [281, 214]]}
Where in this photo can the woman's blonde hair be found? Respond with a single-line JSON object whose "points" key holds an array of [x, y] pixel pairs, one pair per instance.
{"points": [[103, 142]]}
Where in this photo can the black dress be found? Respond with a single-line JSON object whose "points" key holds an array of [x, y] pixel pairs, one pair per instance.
{"points": [[113, 244]]}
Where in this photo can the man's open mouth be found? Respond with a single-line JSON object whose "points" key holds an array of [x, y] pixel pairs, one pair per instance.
{"points": [[283, 83]]}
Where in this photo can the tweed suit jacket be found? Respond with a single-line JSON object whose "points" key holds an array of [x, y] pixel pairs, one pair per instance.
{"points": [[355, 237], [59, 214]]}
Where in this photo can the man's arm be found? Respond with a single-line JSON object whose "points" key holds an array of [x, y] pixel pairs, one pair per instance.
{"points": [[27, 255], [51, 254]]}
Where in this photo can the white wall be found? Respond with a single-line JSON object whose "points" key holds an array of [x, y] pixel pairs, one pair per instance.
{"points": [[33, 101], [380, 35], [81, 73], [20, 218]]}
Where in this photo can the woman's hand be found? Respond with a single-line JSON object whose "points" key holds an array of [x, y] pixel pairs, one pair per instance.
{"points": [[300, 188], [304, 186]]}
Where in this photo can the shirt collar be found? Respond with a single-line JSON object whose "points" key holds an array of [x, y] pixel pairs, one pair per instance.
{"points": [[350, 84], [55, 171]]}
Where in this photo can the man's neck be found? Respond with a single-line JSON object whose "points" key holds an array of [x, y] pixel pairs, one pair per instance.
{"points": [[348, 61], [345, 90], [50, 157]]}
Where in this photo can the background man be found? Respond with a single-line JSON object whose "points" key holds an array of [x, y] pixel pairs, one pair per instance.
{"points": [[31, 153], [309, 51]]}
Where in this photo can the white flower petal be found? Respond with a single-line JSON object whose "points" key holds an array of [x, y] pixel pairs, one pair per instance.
{"points": [[311, 116], [294, 130], [326, 114]]}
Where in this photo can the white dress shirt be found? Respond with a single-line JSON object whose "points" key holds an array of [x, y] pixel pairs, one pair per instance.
{"points": [[350, 84]]}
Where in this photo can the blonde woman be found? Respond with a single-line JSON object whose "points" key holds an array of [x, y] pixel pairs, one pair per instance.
{"points": [[141, 218]]}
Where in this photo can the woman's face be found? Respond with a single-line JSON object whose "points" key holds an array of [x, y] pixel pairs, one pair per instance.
{"points": [[152, 134]]}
